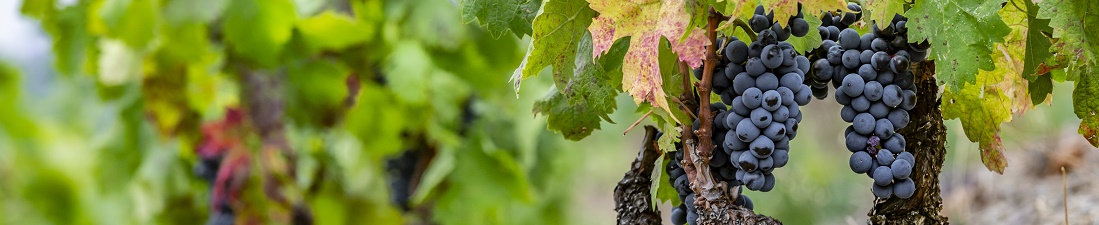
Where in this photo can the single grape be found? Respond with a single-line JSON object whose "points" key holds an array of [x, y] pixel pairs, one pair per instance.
{"points": [[781, 33], [879, 45], [755, 66], [883, 176], [781, 156], [849, 39], [884, 128], [799, 27], [847, 113], [766, 164], [803, 64], [880, 61], [864, 124], [884, 77], [682, 185], [679, 215], [822, 70], [736, 52], [905, 80], [860, 162], [747, 131], [733, 70], [904, 188], [783, 143], [767, 81], [899, 118], [872, 90], [899, 64], [855, 142], [841, 96], [901, 169], [758, 23], [761, 117], [850, 59], [884, 158], [865, 41], [853, 85], [768, 183], [787, 94], [767, 37], [747, 163], [792, 81], [835, 55], [762, 147], [792, 126], [754, 180], [753, 98], [772, 100], [833, 33], [780, 115], [803, 96], [878, 110], [882, 191], [742, 82], [909, 101], [907, 156], [771, 56], [738, 107], [895, 144], [866, 71], [860, 104], [754, 50]]}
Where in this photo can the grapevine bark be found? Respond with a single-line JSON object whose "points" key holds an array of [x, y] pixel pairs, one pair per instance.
{"points": [[927, 141], [632, 197]]}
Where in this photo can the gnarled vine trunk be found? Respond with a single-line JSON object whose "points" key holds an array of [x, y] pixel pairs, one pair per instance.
{"points": [[926, 136]]}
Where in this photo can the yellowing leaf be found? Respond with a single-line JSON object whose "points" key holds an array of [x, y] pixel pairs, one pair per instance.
{"points": [[646, 23], [784, 9], [981, 111], [882, 11]]}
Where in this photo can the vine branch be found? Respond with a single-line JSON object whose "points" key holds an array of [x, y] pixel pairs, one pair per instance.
{"points": [[705, 185]]}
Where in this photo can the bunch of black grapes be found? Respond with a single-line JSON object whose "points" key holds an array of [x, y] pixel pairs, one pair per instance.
{"points": [[876, 89], [832, 24], [762, 82]]}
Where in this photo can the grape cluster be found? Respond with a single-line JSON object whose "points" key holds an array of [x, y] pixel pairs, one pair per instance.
{"points": [[685, 213], [400, 170], [876, 89], [832, 24], [762, 82]]}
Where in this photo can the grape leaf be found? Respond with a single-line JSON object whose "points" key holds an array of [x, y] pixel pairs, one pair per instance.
{"points": [[1076, 48], [961, 33], [258, 30], [882, 10], [556, 32], [1039, 85], [662, 190], [132, 21], [646, 23], [500, 16], [587, 97], [329, 31], [981, 110], [1086, 106]]}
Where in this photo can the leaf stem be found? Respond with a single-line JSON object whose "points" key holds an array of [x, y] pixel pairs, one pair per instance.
{"points": [[747, 29]]}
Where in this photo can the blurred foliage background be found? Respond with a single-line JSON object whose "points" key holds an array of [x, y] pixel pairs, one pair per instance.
{"points": [[104, 100]]}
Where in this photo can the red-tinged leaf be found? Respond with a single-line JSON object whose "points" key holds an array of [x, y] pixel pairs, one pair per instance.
{"points": [[992, 155], [646, 23]]}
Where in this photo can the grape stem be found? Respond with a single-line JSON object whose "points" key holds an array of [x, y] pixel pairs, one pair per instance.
{"points": [[747, 30], [703, 180]]}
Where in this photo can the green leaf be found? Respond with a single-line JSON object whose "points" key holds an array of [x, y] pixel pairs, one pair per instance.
{"points": [[38, 9], [1086, 107], [882, 10], [1037, 44], [1040, 87], [646, 24], [132, 21], [316, 91], [557, 32], [193, 11], [500, 16], [981, 111], [407, 69], [333, 31], [662, 190], [1073, 25], [961, 33], [258, 29], [587, 98]]}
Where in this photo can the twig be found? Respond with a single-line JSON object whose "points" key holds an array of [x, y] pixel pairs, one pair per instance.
{"points": [[637, 122], [747, 29], [1064, 184], [686, 108], [705, 185]]}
